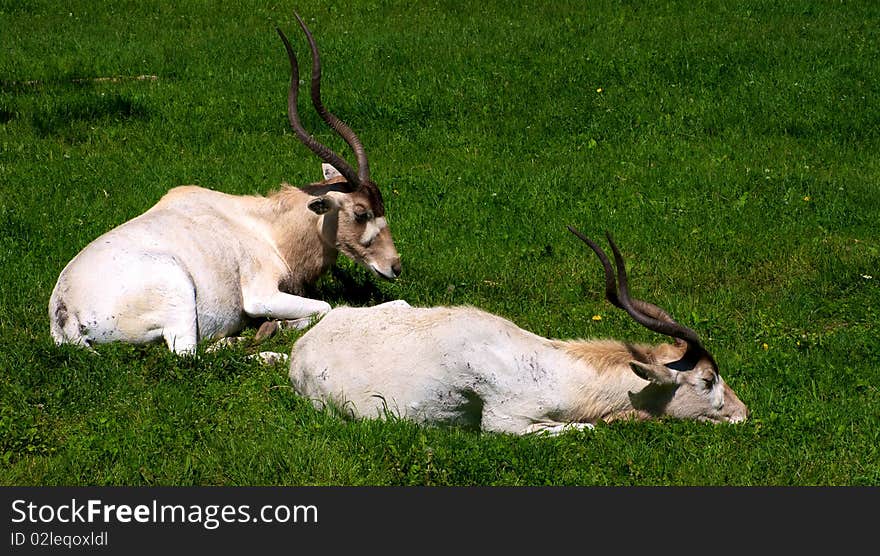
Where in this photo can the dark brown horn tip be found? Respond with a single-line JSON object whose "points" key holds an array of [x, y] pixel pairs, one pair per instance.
{"points": [[610, 239], [280, 32], [575, 231], [585, 239]]}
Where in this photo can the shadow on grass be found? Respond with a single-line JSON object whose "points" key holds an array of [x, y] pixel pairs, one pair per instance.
{"points": [[69, 119], [349, 286], [69, 106]]}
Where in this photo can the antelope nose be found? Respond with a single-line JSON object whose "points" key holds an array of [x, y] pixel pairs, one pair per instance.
{"points": [[395, 268]]}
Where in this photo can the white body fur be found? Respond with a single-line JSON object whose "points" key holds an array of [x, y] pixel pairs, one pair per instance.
{"points": [[465, 366], [200, 263]]}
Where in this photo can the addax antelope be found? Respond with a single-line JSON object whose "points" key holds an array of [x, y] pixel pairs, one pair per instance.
{"points": [[200, 264], [465, 366]]}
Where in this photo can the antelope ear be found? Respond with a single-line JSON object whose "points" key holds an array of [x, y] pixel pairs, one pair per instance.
{"points": [[323, 204], [658, 374], [329, 171]]}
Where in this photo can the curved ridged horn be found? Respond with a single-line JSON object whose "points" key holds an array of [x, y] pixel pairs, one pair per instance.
{"points": [[363, 167], [647, 314], [323, 152]]}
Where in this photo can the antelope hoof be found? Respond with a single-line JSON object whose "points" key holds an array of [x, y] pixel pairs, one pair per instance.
{"points": [[266, 330], [295, 324]]}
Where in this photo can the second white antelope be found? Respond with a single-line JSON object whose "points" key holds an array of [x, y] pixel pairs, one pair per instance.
{"points": [[200, 264], [464, 366]]}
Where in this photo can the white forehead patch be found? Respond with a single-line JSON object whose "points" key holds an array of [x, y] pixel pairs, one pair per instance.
{"points": [[718, 395], [372, 229]]}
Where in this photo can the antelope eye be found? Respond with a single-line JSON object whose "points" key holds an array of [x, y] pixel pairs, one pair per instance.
{"points": [[708, 383], [362, 216]]}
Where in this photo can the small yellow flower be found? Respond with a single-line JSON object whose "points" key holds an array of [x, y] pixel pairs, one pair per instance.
{"points": [[765, 347], [599, 90], [807, 199], [597, 317]]}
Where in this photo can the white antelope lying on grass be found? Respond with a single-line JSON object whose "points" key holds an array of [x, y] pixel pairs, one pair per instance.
{"points": [[200, 264], [464, 366]]}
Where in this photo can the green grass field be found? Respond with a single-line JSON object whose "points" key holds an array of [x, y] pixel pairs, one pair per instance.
{"points": [[732, 148]]}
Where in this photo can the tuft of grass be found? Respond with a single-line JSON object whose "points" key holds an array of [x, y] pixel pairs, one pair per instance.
{"points": [[730, 147]]}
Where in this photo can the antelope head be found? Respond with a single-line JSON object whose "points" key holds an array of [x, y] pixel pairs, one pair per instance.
{"points": [[684, 377], [351, 203]]}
